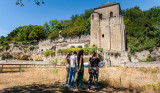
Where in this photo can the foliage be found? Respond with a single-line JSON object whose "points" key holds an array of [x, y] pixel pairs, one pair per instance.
{"points": [[6, 56], [87, 51], [148, 59], [54, 62], [49, 52], [93, 48], [32, 47], [21, 4], [142, 28], [78, 25], [63, 62], [54, 35], [27, 33]]}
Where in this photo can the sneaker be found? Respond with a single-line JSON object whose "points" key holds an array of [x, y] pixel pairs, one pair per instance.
{"points": [[67, 85], [72, 87]]}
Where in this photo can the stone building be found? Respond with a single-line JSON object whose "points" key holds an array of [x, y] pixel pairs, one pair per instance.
{"points": [[107, 28]]}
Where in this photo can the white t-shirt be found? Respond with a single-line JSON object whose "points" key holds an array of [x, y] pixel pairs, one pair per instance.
{"points": [[73, 58]]}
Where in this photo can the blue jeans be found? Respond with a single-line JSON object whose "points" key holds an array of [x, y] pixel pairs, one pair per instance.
{"points": [[72, 76]]}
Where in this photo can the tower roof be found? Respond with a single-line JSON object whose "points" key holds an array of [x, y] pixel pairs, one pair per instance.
{"points": [[107, 5]]}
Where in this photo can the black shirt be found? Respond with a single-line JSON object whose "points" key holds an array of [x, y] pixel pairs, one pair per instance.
{"points": [[81, 62], [94, 62]]}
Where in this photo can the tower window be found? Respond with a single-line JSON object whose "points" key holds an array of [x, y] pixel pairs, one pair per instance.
{"points": [[111, 14], [100, 16], [92, 17], [102, 35]]}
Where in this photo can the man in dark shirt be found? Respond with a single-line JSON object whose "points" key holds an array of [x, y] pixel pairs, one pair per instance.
{"points": [[93, 69]]}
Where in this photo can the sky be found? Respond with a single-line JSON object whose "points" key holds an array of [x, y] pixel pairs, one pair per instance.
{"points": [[13, 16]]}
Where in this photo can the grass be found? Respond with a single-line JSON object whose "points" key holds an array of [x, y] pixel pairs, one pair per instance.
{"points": [[109, 77]]}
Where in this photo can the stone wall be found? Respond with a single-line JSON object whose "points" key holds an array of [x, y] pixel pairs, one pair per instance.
{"points": [[124, 58], [108, 32]]}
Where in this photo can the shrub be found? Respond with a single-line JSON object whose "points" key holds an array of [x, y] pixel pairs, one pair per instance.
{"points": [[148, 59], [32, 47], [86, 51], [54, 62], [49, 52], [86, 46], [63, 62]]}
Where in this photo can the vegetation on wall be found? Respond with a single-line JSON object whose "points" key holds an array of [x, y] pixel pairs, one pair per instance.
{"points": [[49, 53], [87, 50]]}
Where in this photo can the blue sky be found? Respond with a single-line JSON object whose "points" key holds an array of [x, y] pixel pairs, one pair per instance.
{"points": [[13, 16]]}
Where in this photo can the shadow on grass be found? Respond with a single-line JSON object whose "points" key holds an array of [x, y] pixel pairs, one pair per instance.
{"points": [[59, 87]]}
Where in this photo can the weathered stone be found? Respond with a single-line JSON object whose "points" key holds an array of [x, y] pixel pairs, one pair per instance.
{"points": [[35, 57], [140, 56], [108, 30]]}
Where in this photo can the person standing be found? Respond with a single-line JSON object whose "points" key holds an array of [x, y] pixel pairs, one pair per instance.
{"points": [[73, 59], [68, 67], [93, 69], [80, 71]]}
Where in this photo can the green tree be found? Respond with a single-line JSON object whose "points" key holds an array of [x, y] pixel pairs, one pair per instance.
{"points": [[37, 2]]}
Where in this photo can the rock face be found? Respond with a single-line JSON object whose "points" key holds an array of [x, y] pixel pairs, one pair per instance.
{"points": [[36, 57], [155, 54], [21, 57], [140, 56]]}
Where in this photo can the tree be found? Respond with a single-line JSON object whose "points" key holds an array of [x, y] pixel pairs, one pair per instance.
{"points": [[54, 35], [55, 25], [46, 27], [21, 4]]}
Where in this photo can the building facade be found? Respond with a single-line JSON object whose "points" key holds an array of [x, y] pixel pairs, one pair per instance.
{"points": [[107, 28]]}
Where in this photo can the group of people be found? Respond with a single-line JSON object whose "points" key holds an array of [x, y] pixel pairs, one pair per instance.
{"points": [[75, 64]]}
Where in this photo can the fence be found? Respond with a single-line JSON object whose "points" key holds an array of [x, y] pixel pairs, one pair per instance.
{"points": [[20, 66]]}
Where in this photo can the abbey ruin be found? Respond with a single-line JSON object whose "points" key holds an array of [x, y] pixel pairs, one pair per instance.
{"points": [[107, 33], [107, 27]]}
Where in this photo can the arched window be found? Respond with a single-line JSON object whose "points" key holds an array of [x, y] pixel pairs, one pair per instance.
{"points": [[100, 16], [92, 17], [111, 14]]}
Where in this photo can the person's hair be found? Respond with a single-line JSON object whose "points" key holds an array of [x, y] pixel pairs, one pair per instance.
{"points": [[80, 53], [74, 52], [69, 54], [94, 54]]}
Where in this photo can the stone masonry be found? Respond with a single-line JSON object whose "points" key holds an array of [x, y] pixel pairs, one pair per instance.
{"points": [[107, 28]]}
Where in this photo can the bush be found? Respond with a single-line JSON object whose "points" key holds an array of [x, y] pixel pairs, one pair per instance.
{"points": [[49, 52], [63, 62], [86, 46], [6, 56], [54, 62], [32, 47], [148, 59], [86, 51], [66, 51]]}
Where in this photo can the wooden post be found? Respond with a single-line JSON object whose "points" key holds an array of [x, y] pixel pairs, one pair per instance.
{"points": [[120, 83], [2, 69], [20, 69]]}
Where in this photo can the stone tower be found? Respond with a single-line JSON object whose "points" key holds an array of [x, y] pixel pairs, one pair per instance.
{"points": [[107, 27]]}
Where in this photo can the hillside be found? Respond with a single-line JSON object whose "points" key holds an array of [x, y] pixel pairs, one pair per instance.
{"points": [[142, 29]]}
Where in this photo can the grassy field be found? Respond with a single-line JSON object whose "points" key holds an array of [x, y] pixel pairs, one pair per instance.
{"points": [[53, 80]]}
